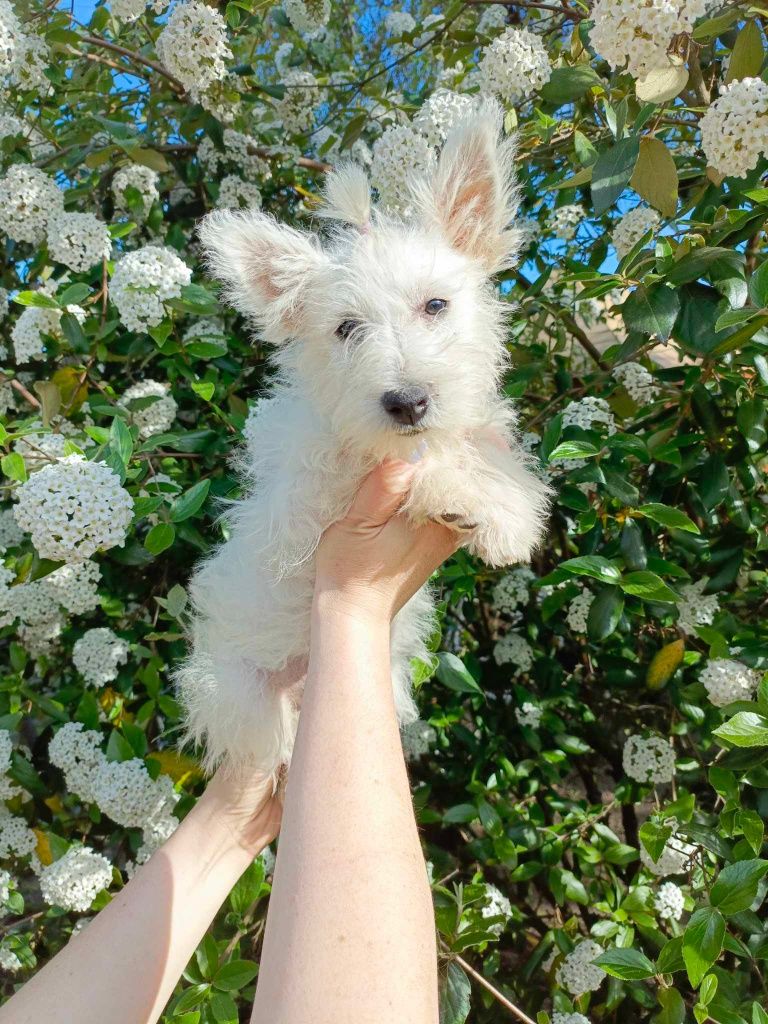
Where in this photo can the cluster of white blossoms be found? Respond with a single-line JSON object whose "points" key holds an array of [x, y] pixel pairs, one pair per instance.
{"points": [[307, 16], [513, 590], [74, 508], [577, 974], [529, 715], [493, 18], [78, 240], [565, 220], [130, 10], [514, 66], [236, 194], [440, 112], [695, 608], [302, 96], [639, 35], [632, 226], [734, 129], [29, 198], [674, 859], [74, 881], [513, 649], [8, 788], [23, 55], [207, 328], [135, 176], [32, 327], [399, 23], [9, 961], [398, 153], [193, 46], [496, 905], [417, 738], [98, 654], [11, 534], [638, 382], [77, 752], [649, 759], [282, 57], [154, 417], [142, 281], [41, 446], [669, 902], [569, 1018], [5, 885], [578, 611], [75, 587], [38, 605], [16, 837], [243, 150], [726, 680], [588, 413]]}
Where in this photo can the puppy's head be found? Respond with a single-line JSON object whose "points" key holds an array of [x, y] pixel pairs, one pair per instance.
{"points": [[391, 328]]}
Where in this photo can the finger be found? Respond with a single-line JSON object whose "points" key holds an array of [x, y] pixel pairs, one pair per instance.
{"points": [[382, 493]]}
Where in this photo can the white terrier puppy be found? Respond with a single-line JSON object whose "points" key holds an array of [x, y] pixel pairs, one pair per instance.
{"points": [[390, 337]]}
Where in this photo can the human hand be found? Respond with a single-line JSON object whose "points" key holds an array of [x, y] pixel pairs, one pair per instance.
{"points": [[371, 562], [246, 806]]}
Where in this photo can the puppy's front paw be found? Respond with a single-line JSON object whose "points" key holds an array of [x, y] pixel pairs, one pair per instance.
{"points": [[456, 521]]}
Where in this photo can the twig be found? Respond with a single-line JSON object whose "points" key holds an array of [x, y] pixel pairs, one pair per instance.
{"points": [[531, 5], [498, 996], [132, 55], [18, 386]]}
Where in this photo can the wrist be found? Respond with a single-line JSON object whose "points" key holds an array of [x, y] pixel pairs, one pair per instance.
{"points": [[369, 609]]}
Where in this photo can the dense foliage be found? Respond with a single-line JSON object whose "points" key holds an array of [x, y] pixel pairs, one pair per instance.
{"points": [[591, 769]]}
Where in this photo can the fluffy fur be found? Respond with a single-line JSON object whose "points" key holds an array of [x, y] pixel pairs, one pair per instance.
{"points": [[323, 425]]}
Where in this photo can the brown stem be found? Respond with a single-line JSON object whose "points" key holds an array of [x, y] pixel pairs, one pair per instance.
{"points": [[531, 5], [18, 386], [498, 996], [132, 55]]}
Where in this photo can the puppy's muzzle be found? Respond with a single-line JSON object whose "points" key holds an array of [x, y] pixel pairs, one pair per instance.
{"points": [[408, 406]]}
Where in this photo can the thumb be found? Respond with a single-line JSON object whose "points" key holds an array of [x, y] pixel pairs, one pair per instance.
{"points": [[382, 493]]}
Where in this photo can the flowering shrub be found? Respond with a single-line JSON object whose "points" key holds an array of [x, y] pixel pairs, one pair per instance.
{"points": [[589, 769]]}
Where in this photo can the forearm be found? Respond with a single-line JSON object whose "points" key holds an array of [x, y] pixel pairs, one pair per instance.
{"points": [[124, 966], [350, 933]]}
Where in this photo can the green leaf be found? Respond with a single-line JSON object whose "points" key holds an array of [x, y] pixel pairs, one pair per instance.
{"points": [[190, 502], [702, 942], [596, 566], [662, 84], [39, 299], [452, 673], [570, 83], [751, 824], [120, 440], [455, 991], [574, 450], [652, 310], [159, 538], [735, 888], [204, 388], [235, 975], [672, 1007], [745, 729], [627, 964], [118, 747], [248, 887], [223, 1008], [670, 959], [177, 600], [654, 838], [612, 171], [75, 294], [13, 467], [751, 421], [747, 54], [648, 586], [655, 175], [605, 613], [708, 989], [758, 285], [668, 516]]}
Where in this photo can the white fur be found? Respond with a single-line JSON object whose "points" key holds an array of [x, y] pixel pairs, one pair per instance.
{"points": [[323, 426]]}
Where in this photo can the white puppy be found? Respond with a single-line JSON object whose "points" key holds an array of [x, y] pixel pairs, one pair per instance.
{"points": [[388, 337]]}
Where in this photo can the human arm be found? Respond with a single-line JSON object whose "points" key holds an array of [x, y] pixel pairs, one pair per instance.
{"points": [[350, 931], [124, 965]]}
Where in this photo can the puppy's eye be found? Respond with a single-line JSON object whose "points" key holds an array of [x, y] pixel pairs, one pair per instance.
{"points": [[435, 306], [346, 327]]}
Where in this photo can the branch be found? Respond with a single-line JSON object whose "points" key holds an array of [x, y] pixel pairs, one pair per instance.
{"points": [[531, 5], [18, 386], [498, 996], [132, 55]]}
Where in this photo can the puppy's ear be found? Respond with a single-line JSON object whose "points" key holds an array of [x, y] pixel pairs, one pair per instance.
{"points": [[347, 196], [472, 197], [266, 267]]}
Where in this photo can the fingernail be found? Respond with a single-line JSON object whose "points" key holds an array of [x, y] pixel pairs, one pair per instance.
{"points": [[418, 452]]}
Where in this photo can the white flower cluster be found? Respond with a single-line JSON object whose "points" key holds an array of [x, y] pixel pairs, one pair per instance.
{"points": [[74, 586], [236, 194], [496, 905], [297, 107], [397, 153], [669, 902], [529, 231], [674, 859], [10, 125], [8, 787], [135, 176], [734, 129], [5, 885], [565, 220], [577, 974], [32, 327], [639, 34], [569, 1018], [16, 837], [282, 57], [399, 23], [493, 18], [513, 590], [206, 329], [77, 752], [513, 649], [578, 611], [130, 10], [142, 281], [29, 198], [649, 759], [307, 16], [78, 240], [695, 608], [38, 605], [632, 226], [74, 881], [417, 738], [638, 382], [442, 110], [529, 715], [11, 534], [514, 66], [98, 654], [23, 55], [9, 961], [41, 446], [588, 412], [726, 680], [73, 509], [157, 416], [193, 46]]}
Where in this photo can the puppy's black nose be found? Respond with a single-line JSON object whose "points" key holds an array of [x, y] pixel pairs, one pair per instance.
{"points": [[407, 406]]}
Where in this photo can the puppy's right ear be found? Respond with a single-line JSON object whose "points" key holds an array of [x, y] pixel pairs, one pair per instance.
{"points": [[266, 268]]}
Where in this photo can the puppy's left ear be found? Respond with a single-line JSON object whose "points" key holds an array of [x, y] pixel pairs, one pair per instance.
{"points": [[473, 197]]}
